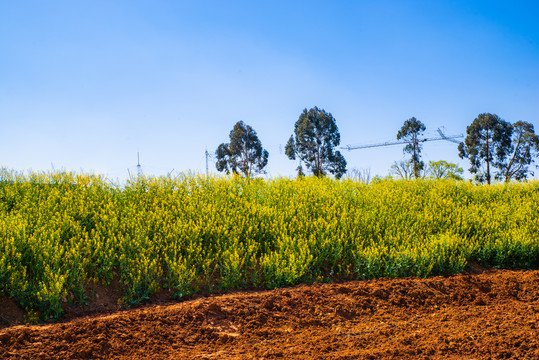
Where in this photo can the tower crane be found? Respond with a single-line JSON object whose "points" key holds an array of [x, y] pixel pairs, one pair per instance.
{"points": [[441, 136]]}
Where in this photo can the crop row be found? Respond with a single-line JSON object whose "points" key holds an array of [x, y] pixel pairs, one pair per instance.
{"points": [[60, 232]]}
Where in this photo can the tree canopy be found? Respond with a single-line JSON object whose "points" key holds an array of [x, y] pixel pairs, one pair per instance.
{"points": [[410, 132], [442, 169], [435, 170], [487, 145], [314, 140], [402, 169], [244, 154], [524, 147]]}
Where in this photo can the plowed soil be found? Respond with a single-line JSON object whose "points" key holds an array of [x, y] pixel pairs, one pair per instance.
{"points": [[490, 315]]}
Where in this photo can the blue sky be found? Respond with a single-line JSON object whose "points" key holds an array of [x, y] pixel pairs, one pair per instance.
{"points": [[84, 85]]}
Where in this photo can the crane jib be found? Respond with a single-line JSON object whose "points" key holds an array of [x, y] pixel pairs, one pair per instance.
{"points": [[389, 143]]}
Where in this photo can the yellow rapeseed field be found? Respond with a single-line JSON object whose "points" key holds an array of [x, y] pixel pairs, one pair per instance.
{"points": [[60, 232]]}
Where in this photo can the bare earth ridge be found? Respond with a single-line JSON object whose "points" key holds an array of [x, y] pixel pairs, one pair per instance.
{"points": [[489, 315]]}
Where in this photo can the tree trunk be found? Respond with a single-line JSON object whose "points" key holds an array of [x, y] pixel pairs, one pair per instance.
{"points": [[508, 173], [488, 159]]}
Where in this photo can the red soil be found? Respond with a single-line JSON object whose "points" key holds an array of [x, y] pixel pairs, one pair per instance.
{"points": [[490, 315]]}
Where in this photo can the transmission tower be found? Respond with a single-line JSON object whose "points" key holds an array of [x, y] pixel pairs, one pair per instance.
{"points": [[442, 136], [208, 157], [139, 167]]}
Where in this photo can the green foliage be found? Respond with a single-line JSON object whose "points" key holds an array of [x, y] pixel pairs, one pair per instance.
{"points": [[244, 154], [60, 232], [314, 140], [444, 170], [488, 142], [410, 132], [524, 148]]}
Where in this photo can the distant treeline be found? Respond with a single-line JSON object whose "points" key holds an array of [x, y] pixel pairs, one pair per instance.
{"points": [[495, 148]]}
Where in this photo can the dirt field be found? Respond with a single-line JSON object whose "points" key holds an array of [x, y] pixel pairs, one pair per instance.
{"points": [[487, 315]]}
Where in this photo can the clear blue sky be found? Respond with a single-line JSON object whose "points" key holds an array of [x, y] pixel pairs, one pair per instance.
{"points": [[84, 85]]}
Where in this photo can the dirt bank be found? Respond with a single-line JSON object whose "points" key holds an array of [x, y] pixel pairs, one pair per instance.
{"points": [[490, 315]]}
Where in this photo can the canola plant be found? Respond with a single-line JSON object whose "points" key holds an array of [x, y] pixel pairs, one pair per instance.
{"points": [[62, 232]]}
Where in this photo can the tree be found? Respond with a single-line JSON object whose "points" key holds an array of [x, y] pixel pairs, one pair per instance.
{"points": [[444, 170], [314, 140], [361, 175], [244, 154], [524, 147], [488, 142], [402, 169], [410, 132]]}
